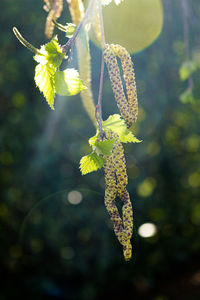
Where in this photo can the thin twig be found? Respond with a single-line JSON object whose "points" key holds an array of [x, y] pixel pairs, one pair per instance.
{"points": [[71, 41], [102, 69], [100, 97]]}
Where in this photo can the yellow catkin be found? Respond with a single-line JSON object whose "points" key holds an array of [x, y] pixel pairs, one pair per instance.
{"points": [[84, 60], [116, 180], [129, 77], [128, 108], [55, 9]]}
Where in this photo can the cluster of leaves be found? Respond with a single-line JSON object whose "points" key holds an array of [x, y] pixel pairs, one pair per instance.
{"points": [[48, 78], [95, 160]]}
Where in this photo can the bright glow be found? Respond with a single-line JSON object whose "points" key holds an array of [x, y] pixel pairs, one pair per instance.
{"points": [[147, 230], [74, 197]]}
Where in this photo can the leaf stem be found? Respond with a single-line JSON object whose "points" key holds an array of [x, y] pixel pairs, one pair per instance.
{"points": [[99, 106]]}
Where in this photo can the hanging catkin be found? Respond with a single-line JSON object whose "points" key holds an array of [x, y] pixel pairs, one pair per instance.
{"points": [[84, 60], [54, 7], [128, 107], [116, 180]]}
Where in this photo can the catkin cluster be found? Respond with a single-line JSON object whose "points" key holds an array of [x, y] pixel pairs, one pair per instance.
{"points": [[54, 7], [116, 180], [128, 108]]}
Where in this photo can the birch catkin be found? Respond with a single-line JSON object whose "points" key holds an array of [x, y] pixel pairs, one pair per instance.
{"points": [[128, 107], [116, 180], [55, 8]]}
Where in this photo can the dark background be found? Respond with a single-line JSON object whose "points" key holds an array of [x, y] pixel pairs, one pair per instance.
{"points": [[52, 249]]}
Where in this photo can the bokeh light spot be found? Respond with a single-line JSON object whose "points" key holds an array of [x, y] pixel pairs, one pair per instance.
{"points": [[194, 179], [19, 99], [74, 197], [147, 230], [146, 188], [192, 143], [142, 23], [153, 148]]}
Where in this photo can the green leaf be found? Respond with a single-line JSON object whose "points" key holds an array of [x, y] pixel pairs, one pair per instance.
{"points": [[70, 29], [51, 53], [68, 82], [91, 162], [187, 69], [118, 126], [45, 81], [93, 139], [49, 58], [104, 147]]}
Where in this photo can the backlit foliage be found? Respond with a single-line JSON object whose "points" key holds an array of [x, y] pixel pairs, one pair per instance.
{"points": [[107, 148]]}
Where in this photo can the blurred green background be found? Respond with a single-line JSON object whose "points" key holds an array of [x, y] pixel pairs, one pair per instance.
{"points": [[56, 240]]}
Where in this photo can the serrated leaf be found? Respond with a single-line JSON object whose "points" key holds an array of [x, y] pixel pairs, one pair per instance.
{"points": [[104, 147], [92, 140], [118, 126], [68, 82], [45, 82], [50, 53], [90, 163]]}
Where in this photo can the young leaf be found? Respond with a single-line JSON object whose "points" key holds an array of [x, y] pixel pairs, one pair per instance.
{"points": [[118, 126], [70, 29], [49, 57], [91, 162], [93, 139], [104, 147], [50, 53], [68, 82], [45, 82]]}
